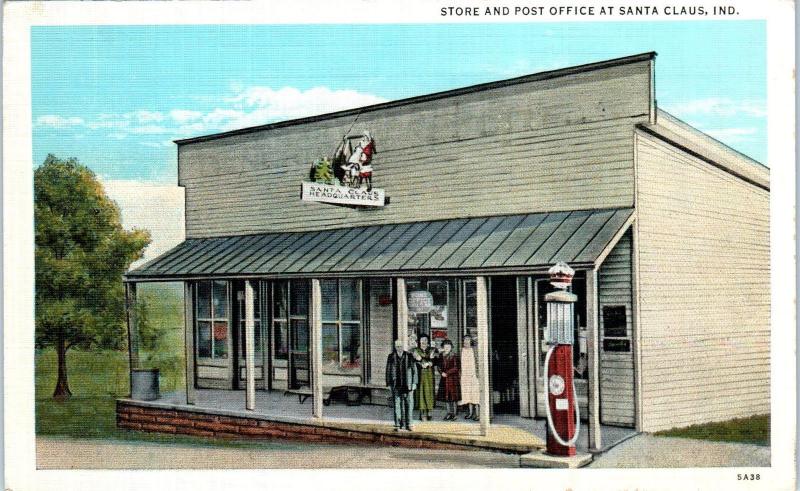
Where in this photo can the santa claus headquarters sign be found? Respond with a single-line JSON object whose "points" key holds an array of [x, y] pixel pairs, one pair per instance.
{"points": [[342, 195]]}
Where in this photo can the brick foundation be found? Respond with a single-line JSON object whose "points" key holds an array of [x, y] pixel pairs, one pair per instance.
{"points": [[131, 416]]}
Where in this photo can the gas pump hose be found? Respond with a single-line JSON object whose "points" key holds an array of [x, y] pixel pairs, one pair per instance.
{"points": [[547, 406]]}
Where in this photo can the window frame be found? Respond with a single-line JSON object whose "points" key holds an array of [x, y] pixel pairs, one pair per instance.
{"points": [[213, 319], [339, 322]]}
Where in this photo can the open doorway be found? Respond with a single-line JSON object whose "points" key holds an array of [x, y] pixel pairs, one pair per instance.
{"points": [[503, 347]]}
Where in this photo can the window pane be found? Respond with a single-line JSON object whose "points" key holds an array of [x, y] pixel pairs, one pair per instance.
{"points": [[300, 335], [220, 339], [330, 347], [351, 347], [329, 300], [438, 290], [220, 299], [279, 299], [204, 299], [257, 338], [299, 297], [281, 341], [204, 339], [351, 300], [471, 304]]}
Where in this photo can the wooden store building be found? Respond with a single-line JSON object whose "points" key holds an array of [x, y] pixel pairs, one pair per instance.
{"points": [[473, 194]]}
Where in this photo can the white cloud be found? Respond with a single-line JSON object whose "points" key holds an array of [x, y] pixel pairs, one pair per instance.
{"points": [[150, 206], [145, 116], [718, 106], [248, 107], [183, 115], [56, 121]]}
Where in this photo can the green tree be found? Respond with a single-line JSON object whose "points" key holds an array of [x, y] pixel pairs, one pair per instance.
{"points": [[81, 253], [323, 173]]}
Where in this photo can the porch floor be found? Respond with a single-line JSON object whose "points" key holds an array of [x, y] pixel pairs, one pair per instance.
{"points": [[507, 432]]}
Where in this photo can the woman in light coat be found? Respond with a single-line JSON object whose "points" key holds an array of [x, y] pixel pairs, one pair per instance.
{"points": [[470, 385]]}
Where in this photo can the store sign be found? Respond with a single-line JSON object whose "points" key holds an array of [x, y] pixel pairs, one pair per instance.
{"points": [[342, 195], [345, 178], [420, 301]]}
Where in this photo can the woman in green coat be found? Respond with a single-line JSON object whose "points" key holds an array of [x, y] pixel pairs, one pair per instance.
{"points": [[424, 355]]}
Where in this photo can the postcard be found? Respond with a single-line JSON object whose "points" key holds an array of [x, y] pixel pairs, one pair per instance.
{"points": [[372, 245]]}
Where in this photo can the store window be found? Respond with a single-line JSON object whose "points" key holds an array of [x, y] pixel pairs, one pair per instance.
{"points": [[437, 323], [212, 319], [341, 326]]}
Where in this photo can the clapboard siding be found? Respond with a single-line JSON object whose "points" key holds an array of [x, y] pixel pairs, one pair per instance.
{"points": [[703, 258], [616, 369], [547, 145]]}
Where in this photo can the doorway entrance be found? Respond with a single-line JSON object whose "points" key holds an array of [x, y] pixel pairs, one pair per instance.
{"points": [[504, 370]]}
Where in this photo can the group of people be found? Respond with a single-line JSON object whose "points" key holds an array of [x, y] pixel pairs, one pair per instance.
{"points": [[411, 377]]}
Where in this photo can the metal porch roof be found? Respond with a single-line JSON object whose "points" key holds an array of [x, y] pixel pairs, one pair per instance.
{"points": [[492, 243]]}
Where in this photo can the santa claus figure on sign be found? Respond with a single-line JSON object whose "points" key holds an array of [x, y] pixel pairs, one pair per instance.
{"points": [[362, 158]]}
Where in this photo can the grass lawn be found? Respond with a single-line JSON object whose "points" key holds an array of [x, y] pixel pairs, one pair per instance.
{"points": [[754, 429], [97, 378]]}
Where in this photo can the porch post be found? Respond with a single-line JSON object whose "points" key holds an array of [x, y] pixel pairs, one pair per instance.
{"points": [[482, 303], [592, 335], [249, 346], [402, 311], [316, 347], [133, 330], [188, 305]]}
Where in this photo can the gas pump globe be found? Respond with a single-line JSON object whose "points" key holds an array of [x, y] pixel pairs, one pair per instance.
{"points": [[562, 405]]}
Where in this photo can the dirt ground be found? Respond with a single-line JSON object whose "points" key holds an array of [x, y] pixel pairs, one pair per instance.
{"points": [[637, 452], [64, 453]]}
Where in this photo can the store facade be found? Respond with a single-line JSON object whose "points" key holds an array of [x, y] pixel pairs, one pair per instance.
{"points": [[477, 192]]}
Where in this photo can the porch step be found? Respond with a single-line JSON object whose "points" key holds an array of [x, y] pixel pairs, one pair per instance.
{"points": [[542, 460]]}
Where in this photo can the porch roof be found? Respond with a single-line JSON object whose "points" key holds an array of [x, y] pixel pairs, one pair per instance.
{"points": [[523, 242]]}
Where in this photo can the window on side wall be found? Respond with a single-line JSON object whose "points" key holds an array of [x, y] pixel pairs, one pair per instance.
{"points": [[341, 326], [211, 316]]}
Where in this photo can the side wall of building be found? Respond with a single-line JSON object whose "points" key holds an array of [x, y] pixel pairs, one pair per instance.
{"points": [[547, 145], [704, 290], [614, 291]]}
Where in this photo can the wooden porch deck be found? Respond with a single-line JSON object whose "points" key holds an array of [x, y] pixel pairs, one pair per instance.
{"points": [[222, 413]]}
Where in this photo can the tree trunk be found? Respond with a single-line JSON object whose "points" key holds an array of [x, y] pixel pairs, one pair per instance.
{"points": [[62, 391]]}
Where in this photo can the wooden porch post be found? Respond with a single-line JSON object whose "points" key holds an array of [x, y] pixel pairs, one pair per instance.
{"points": [[592, 335], [316, 347], [482, 301], [402, 312], [188, 305], [249, 346], [133, 330]]}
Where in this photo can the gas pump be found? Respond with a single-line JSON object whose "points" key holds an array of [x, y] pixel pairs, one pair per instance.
{"points": [[563, 418]]}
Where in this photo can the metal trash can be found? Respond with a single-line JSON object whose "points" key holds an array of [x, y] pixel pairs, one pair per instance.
{"points": [[144, 384]]}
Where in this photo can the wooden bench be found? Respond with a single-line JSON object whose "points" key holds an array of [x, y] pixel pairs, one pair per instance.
{"points": [[359, 391]]}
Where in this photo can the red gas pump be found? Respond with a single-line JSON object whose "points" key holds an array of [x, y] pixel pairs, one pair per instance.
{"points": [[563, 418]]}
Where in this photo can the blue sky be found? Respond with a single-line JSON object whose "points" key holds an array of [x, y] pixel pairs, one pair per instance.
{"points": [[115, 96]]}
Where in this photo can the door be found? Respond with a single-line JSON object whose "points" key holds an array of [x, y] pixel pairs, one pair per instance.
{"points": [[240, 340], [299, 362], [289, 337], [503, 345]]}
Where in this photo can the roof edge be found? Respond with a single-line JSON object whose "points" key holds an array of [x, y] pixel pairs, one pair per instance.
{"points": [[699, 145], [535, 77]]}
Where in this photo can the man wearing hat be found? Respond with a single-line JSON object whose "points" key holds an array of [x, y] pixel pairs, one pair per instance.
{"points": [[402, 378]]}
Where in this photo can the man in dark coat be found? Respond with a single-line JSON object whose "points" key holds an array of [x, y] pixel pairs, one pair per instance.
{"points": [[402, 378]]}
